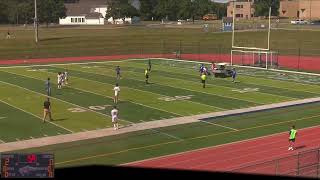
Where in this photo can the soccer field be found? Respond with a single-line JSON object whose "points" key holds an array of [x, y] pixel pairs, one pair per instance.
{"points": [[174, 91]]}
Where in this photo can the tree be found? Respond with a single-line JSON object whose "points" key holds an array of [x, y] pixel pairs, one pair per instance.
{"points": [[147, 9], [3, 12], [262, 7], [51, 10], [120, 9]]}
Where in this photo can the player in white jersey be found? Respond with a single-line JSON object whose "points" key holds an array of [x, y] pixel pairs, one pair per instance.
{"points": [[62, 78], [114, 115], [59, 80], [66, 76], [116, 93]]}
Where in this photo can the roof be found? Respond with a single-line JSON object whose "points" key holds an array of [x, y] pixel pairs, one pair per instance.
{"points": [[83, 7], [227, 19], [94, 15], [76, 10]]}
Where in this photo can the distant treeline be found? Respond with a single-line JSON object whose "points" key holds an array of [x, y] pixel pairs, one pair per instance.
{"points": [[22, 12], [49, 11]]}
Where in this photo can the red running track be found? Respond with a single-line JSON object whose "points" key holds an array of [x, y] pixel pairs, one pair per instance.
{"points": [[308, 63], [234, 155]]}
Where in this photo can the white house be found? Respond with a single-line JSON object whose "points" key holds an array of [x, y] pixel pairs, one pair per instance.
{"points": [[89, 12], [84, 14]]}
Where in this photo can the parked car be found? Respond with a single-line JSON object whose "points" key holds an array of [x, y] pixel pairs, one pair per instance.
{"points": [[208, 17], [299, 21]]}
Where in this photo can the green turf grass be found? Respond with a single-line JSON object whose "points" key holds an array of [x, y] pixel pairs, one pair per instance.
{"points": [[32, 102], [195, 86], [146, 144], [246, 82], [129, 111], [62, 42], [13, 124]]}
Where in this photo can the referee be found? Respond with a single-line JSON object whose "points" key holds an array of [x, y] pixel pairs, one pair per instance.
{"points": [[203, 79], [292, 138], [46, 110]]}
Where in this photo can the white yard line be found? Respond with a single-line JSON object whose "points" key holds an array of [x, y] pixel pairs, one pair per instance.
{"points": [[218, 125], [3, 117], [36, 116], [166, 134], [63, 64]]}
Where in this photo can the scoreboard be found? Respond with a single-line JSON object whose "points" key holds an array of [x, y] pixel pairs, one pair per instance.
{"points": [[14, 165]]}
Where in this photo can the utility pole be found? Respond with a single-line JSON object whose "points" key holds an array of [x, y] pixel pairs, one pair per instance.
{"points": [[35, 21]]}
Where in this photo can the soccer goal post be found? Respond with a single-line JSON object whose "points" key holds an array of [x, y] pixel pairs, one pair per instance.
{"points": [[261, 59]]}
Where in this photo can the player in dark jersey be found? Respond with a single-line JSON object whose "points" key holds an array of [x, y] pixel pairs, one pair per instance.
{"points": [[118, 72], [47, 110], [146, 73], [149, 63]]}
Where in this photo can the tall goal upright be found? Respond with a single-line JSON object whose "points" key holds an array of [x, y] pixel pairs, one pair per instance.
{"points": [[245, 55]]}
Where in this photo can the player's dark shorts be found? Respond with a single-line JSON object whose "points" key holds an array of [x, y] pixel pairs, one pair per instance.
{"points": [[203, 81], [292, 140], [147, 76]]}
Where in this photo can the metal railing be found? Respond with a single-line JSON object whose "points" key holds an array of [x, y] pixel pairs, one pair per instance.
{"points": [[302, 164]]}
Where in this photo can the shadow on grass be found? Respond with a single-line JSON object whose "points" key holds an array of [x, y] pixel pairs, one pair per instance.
{"points": [[61, 119]]}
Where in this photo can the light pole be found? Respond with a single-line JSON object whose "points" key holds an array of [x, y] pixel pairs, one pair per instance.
{"points": [[35, 21]]}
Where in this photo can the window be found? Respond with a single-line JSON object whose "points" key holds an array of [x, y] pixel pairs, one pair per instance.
{"points": [[239, 6], [239, 15], [76, 20], [83, 20], [72, 20], [79, 19]]}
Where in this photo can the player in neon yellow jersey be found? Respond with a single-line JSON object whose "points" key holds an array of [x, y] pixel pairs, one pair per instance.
{"points": [[292, 138], [203, 79]]}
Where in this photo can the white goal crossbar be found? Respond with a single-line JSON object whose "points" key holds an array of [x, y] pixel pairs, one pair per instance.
{"points": [[264, 59]]}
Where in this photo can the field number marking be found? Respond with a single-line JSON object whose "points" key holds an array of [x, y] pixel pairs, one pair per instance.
{"points": [[95, 108], [245, 90], [175, 98]]}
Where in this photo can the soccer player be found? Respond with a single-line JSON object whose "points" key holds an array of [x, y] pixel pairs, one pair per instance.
{"points": [[201, 69], [146, 73], [48, 87], [66, 78], [59, 80], [149, 65], [234, 75], [118, 72], [203, 79], [116, 93], [46, 110], [62, 76], [292, 138], [114, 115]]}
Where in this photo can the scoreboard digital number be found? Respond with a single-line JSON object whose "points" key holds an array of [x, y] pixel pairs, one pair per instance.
{"points": [[27, 166]]}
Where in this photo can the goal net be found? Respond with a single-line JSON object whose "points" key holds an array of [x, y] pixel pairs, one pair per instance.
{"points": [[262, 59]]}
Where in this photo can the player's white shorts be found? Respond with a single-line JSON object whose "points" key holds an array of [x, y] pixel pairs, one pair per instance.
{"points": [[115, 93], [114, 119]]}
